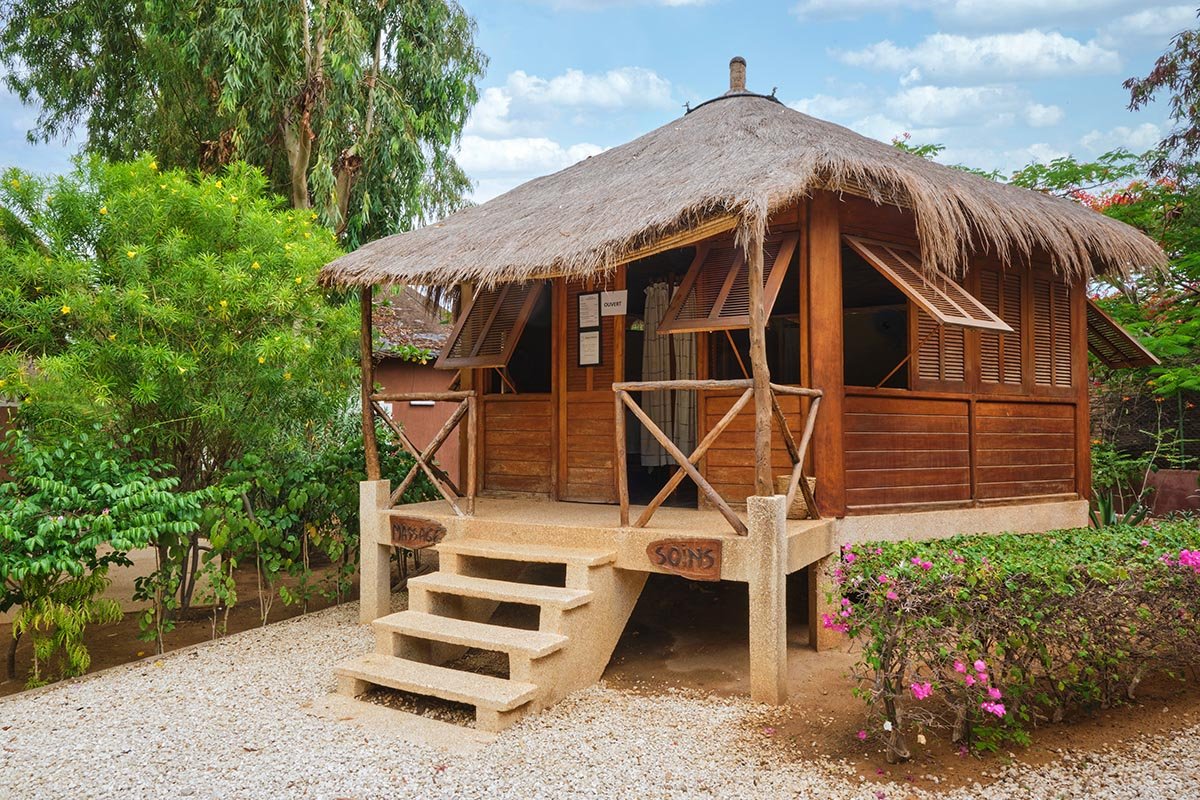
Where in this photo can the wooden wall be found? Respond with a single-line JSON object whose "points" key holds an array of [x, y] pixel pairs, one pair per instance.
{"points": [[729, 463]]}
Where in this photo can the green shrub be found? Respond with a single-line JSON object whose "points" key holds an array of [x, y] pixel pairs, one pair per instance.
{"points": [[73, 507], [985, 637]]}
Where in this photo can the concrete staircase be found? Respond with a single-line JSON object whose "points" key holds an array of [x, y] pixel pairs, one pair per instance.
{"points": [[582, 603]]}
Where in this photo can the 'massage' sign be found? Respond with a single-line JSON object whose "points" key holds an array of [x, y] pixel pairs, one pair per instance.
{"points": [[698, 559], [416, 532]]}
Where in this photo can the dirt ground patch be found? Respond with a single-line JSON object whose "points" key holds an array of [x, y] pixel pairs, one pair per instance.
{"points": [[119, 643], [691, 636]]}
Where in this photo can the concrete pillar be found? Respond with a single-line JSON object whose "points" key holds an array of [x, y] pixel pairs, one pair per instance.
{"points": [[820, 586], [768, 598], [375, 551]]}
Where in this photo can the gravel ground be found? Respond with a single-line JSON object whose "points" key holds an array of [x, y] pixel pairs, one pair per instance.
{"points": [[229, 720]]}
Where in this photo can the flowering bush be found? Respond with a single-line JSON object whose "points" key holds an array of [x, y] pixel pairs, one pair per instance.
{"points": [[985, 637]]}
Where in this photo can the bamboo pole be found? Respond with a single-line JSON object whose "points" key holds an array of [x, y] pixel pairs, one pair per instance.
{"points": [[367, 366], [763, 409]]}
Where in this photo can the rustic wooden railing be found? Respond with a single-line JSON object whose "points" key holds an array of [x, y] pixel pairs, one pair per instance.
{"points": [[687, 464], [467, 407]]}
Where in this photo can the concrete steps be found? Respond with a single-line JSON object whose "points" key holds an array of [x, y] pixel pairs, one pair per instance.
{"points": [[451, 611]]}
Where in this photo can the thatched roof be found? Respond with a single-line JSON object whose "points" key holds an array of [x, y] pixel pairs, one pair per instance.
{"points": [[403, 317], [743, 155]]}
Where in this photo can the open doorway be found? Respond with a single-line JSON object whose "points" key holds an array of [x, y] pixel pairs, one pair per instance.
{"points": [[651, 356]]}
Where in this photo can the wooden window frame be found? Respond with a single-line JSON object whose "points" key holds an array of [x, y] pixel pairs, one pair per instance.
{"points": [[1053, 390], [1021, 337], [446, 361], [671, 323]]}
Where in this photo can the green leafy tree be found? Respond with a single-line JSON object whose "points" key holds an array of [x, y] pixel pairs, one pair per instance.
{"points": [[1177, 73], [350, 107], [179, 311], [72, 508]]}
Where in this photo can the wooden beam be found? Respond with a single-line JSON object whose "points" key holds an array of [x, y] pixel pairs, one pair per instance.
{"points": [[682, 460], [366, 362], [763, 484], [683, 239], [826, 350], [1079, 380]]}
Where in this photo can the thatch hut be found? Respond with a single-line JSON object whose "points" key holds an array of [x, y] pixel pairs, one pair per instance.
{"points": [[667, 326]]}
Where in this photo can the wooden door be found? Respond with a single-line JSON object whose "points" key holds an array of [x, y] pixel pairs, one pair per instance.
{"points": [[587, 447]]}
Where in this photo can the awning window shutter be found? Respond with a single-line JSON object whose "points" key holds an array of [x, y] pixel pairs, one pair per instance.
{"points": [[715, 293], [490, 326], [1112, 344], [941, 357], [934, 292]]}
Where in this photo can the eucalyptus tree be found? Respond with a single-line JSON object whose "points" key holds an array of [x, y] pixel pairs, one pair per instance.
{"points": [[351, 107]]}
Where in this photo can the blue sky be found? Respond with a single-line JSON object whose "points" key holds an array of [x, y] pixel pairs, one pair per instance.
{"points": [[999, 82]]}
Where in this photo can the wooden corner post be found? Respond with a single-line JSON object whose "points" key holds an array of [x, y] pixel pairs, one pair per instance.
{"points": [[366, 360], [826, 355], [764, 485]]}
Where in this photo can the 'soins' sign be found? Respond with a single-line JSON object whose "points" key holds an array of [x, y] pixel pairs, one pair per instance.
{"points": [[416, 532], [698, 559]]}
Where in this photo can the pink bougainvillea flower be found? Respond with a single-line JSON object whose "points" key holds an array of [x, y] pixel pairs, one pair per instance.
{"points": [[922, 690], [884, 579], [994, 693], [993, 708], [862, 736], [969, 680], [960, 667], [831, 623], [891, 595], [980, 665], [1145, 542], [849, 557]]}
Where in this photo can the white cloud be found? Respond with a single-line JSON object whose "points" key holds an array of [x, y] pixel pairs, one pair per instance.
{"points": [[829, 107], [525, 102], [949, 105], [1042, 116], [1030, 54], [532, 155], [1149, 23], [1137, 139], [978, 14]]}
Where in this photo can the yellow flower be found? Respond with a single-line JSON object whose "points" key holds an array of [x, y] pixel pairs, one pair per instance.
{"points": [[224, 304], [112, 337], [287, 376], [287, 245], [233, 198], [3, 383], [153, 165], [219, 184], [16, 184], [313, 215], [130, 253], [307, 235], [255, 265], [66, 309], [182, 370], [299, 279], [162, 186], [103, 209], [262, 360], [210, 308]]}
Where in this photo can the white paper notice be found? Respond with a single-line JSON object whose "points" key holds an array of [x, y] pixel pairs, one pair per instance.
{"points": [[589, 310], [589, 348]]}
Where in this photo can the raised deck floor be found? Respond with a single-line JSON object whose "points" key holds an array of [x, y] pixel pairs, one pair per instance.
{"points": [[549, 522]]}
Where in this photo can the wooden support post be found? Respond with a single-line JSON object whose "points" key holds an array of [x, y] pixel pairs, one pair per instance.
{"points": [[825, 348], [621, 462], [366, 360], [472, 451], [768, 598], [1079, 381], [763, 409], [375, 551]]}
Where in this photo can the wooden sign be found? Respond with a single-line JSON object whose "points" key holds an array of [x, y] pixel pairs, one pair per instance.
{"points": [[416, 532], [698, 559]]}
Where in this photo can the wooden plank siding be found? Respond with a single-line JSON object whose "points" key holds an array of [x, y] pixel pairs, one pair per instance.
{"points": [[1024, 449], [729, 463], [518, 435]]}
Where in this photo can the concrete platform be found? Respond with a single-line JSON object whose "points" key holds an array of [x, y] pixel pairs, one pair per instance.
{"points": [[537, 521]]}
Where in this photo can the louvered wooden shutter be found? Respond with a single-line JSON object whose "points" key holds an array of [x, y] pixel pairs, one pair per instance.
{"points": [[999, 352], [715, 293], [1051, 333], [941, 357], [1112, 344], [490, 326], [932, 291]]}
